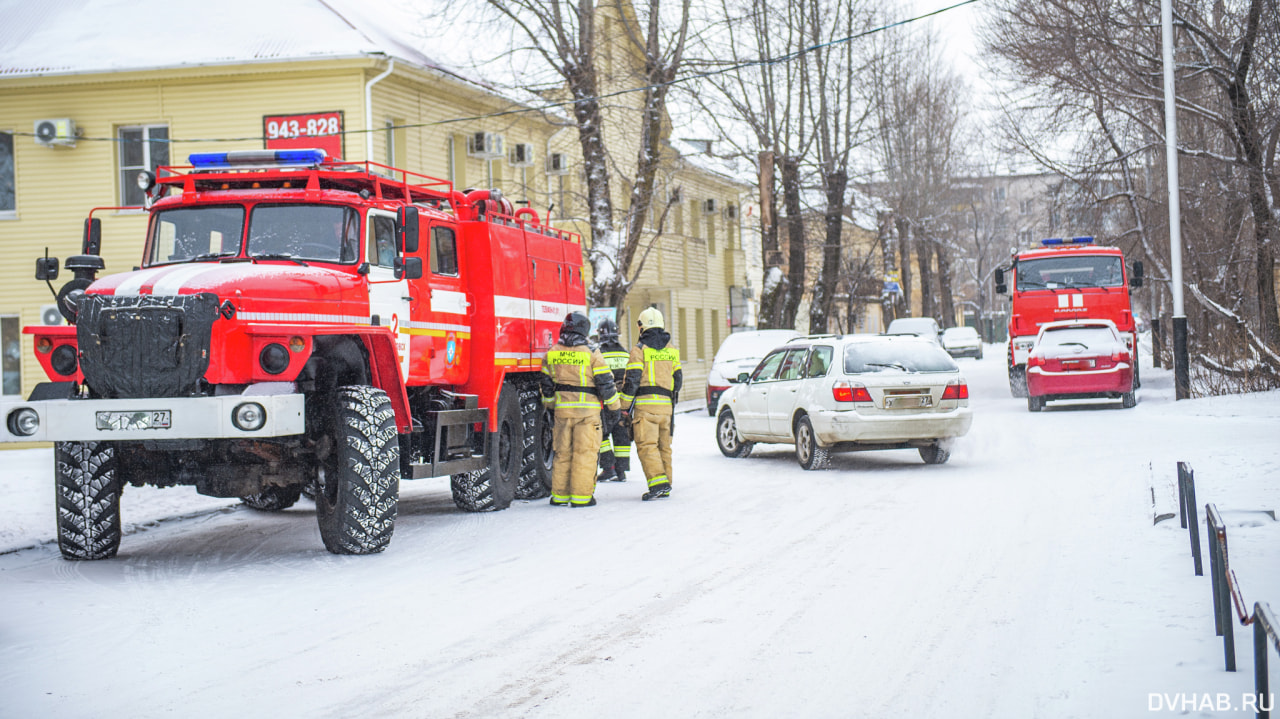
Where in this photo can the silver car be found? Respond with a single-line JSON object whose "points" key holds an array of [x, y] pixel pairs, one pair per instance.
{"points": [[829, 394]]}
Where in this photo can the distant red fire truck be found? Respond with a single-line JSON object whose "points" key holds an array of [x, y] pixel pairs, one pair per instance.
{"points": [[302, 325], [1066, 279]]}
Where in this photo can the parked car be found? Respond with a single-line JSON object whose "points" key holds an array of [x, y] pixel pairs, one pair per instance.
{"points": [[926, 327], [740, 352], [1079, 359], [828, 394], [962, 342]]}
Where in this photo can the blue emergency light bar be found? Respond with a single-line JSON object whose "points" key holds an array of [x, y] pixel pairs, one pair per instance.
{"points": [[1052, 241], [256, 157]]}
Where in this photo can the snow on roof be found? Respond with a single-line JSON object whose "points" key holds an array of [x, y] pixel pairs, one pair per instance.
{"points": [[90, 36]]}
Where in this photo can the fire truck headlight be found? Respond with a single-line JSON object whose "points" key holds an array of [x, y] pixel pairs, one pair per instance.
{"points": [[249, 416], [63, 360], [23, 422], [274, 358]]}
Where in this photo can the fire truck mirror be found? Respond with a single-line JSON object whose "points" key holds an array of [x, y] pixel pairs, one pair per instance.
{"points": [[407, 229], [1001, 287], [92, 244], [1135, 279], [47, 268], [408, 268]]}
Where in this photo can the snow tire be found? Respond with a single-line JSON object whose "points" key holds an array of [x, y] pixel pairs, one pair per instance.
{"points": [[88, 500], [491, 489], [731, 445], [1035, 404], [273, 499], [808, 453], [358, 486], [1129, 399], [935, 454], [535, 467]]}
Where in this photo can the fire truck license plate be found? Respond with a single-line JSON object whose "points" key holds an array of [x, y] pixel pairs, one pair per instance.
{"points": [[144, 419]]}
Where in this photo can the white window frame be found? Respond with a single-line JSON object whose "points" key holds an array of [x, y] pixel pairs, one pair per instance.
{"points": [[148, 163]]}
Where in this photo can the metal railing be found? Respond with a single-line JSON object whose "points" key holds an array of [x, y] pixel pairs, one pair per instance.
{"points": [[1187, 508]]}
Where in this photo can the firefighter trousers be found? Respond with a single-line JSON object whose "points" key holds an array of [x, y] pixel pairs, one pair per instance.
{"points": [[653, 444], [615, 450], [576, 441]]}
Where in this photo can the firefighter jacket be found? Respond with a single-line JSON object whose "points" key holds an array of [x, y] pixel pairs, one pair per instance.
{"points": [[653, 376], [576, 382], [617, 357]]}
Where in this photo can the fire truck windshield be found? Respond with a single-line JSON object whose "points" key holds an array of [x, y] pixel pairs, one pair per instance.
{"points": [[187, 233], [323, 233], [1070, 272]]}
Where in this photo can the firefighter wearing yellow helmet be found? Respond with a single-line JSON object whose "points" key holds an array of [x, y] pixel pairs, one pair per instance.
{"points": [[578, 387], [650, 393]]}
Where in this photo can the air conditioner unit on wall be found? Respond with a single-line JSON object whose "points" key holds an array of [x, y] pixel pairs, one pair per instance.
{"points": [[521, 155], [485, 145], [49, 315], [709, 207], [557, 164], [56, 131]]}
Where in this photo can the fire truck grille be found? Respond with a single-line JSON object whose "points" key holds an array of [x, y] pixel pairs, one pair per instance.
{"points": [[145, 346]]}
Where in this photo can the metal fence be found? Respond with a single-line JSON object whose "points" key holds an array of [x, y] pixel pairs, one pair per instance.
{"points": [[1228, 600]]}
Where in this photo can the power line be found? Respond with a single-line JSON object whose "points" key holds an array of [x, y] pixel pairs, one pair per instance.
{"points": [[568, 103]]}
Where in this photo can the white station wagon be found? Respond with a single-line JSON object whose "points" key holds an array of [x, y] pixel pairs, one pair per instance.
{"points": [[828, 393]]}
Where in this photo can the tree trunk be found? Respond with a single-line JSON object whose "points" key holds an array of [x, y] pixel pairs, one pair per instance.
{"points": [[795, 239], [904, 264], [924, 256], [824, 293], [947, 302]]}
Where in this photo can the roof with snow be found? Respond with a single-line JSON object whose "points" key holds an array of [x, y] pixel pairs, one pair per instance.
{"points": [[71, 37]]}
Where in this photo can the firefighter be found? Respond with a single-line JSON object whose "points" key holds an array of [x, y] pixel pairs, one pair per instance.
{"points": [[578, 388], [649, 395], [615, 449]]}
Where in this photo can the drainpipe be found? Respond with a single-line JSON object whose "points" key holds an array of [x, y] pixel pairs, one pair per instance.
{"points": [[368, 109]]}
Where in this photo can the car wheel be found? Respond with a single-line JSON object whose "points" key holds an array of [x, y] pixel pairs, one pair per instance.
{"points": [[1129, 399], [935, 454], [979, 354], [1035, 404], [727, 437], [808, 453]]}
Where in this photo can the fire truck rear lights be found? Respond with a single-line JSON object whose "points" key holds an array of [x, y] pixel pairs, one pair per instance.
{"points": [[294, 158], [249, 416], [23, 422]]}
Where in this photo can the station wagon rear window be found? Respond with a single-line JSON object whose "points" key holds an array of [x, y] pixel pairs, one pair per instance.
{"points": [[896, 357]]}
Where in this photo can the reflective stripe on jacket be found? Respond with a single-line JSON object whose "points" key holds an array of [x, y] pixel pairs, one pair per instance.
{"points": [[576, 382], [654, 377]]}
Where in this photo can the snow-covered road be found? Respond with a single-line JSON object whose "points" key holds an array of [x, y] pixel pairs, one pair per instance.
{"points": [[1022, 579]]}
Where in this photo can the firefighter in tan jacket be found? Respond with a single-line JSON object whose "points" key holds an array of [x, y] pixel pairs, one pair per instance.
{"points": [[578, 386], [649, 395]]}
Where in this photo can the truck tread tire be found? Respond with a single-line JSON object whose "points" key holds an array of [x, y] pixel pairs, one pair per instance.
{"points": [[88, 499], [273, 499], [535, 467], [359, 485], [491, 489], [731, 445], [808, 453]]}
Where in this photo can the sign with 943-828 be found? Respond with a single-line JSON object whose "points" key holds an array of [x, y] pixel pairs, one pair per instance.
{"points": [[321, 130]]}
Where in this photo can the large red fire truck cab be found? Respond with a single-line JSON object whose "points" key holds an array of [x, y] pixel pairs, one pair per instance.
{"points": [[303, 325], [1065, 279]]}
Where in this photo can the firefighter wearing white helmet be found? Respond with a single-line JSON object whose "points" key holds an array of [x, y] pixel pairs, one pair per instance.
{"points": [[650, 393], [578, 386]]}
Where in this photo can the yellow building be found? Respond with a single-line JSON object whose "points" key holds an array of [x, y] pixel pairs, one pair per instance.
{"points": [[78, 121]]}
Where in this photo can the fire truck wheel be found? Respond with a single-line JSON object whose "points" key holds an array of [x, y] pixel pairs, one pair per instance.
{"points": [[809, 454], [935, 454], [1018, 381], [273, 499], [88, 499], [492, 488], [535, 467], [358, 482]]}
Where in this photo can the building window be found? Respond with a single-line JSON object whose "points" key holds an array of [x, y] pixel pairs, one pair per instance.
{"points": [[1024, 238], [715, 331], [8, 178], [997, 194], [684, 336], [11, 346], [711, 234], [1024, 207], [701, 341], [141, 148]]}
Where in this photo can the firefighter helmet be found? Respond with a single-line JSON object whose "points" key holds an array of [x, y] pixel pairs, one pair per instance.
{"points": [[576, 323], [650, 318], [608, 331]]}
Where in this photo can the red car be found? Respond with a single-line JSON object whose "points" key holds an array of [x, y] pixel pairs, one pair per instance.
{"points": [[1079, 359]]}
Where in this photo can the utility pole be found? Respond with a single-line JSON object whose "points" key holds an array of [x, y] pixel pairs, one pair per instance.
{"points": [[1181, 375]]}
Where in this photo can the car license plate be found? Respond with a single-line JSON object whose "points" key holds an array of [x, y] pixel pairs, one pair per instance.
{"points": [[922, 400], [142, 419]]}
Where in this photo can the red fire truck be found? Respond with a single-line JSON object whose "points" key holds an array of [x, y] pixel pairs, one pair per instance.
{"points": [[1064, 279], [302, 325]]}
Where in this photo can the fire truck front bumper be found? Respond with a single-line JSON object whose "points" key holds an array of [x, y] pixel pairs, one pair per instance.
{"points": [[221, 417]]}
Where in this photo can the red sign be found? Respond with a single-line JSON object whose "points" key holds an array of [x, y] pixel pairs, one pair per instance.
{"points": [[313, 129]]}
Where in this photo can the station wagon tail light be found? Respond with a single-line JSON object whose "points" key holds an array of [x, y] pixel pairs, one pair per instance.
{"points": [[850, 392], [956, 390], [1119, 356]]}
